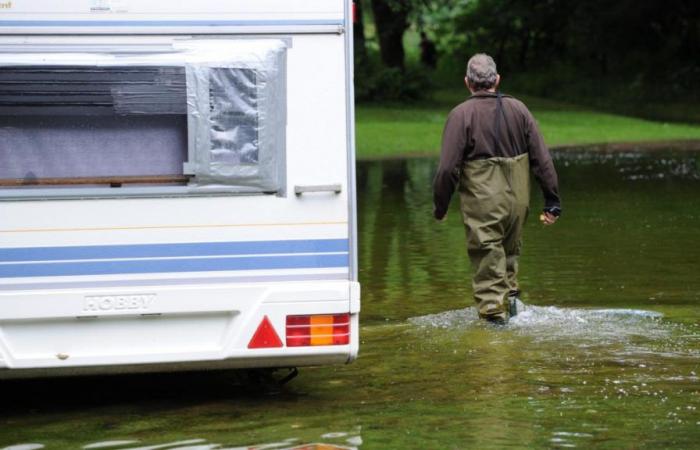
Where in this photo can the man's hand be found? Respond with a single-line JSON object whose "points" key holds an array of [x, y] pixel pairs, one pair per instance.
{"points": [[547, 218]]}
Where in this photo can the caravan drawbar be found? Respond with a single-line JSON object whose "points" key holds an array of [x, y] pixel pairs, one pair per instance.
{"points": [[177, 186]]}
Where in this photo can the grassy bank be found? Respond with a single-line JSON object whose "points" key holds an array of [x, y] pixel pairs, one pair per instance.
{"points": [[403, 130]]}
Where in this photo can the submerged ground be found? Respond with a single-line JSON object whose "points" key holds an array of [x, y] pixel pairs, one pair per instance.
{"points": [[606, 353]]}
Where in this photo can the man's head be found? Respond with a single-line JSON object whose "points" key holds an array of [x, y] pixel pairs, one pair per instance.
{"points": [[481, 73]]}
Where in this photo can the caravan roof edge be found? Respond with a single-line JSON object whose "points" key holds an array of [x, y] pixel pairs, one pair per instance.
{"points": [[27, 27]]}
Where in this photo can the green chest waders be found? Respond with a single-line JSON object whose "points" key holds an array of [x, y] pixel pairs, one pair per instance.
{"points": [[494, 199]]}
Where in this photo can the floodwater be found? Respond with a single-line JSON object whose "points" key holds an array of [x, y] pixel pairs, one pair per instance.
{"points": [[605, 353]]}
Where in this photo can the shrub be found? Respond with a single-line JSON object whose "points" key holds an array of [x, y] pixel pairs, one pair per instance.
{"points": [[377, 83]]}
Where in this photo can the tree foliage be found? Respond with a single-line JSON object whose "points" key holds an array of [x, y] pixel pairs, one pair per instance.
{"points": [[624, 50], [386, 76], [650, 43]]}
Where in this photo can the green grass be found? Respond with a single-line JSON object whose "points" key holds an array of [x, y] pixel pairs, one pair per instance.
{"points": [[397, 130]]}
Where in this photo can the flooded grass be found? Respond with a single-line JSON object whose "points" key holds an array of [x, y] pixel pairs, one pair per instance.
{"points": [[605, 352]]}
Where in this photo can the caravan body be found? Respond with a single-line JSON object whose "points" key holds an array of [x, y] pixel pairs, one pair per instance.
{"points": [[176, 185]]}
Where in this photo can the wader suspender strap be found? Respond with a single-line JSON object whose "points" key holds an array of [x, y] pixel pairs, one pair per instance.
{"points": [[497, 131], [499, 113]]}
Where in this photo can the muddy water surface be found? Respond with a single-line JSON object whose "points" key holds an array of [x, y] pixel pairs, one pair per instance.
{"points": [[605, 353]]}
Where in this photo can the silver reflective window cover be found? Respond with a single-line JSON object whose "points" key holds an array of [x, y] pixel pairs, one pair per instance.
{"points": [[237, 119]]}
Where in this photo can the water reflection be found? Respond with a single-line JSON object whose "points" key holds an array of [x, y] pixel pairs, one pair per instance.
{"points": [[402, 253], [628, 236], [635, 165], [109, 444], [24, 447], [352, 440]]}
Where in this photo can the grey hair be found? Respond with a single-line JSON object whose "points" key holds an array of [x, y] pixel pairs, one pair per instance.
{"points": [[481, 72]]}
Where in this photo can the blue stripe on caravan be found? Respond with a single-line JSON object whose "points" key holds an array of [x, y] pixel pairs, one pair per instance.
{"points": [[178, 265], [165, 23], [172, 250]]}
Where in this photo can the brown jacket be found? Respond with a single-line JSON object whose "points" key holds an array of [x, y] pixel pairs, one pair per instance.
{"points": [[470, 133]]}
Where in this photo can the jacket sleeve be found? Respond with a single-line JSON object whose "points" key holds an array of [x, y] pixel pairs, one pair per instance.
{"points": [[454, 141], [541, 163]]}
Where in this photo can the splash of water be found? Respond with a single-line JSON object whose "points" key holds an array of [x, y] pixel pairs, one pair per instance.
{"points": [[554, 323]]}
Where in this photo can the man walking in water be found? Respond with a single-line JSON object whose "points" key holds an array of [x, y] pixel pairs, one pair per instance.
{"points": [[489, 145]]}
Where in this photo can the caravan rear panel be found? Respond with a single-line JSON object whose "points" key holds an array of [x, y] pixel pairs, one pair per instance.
{"points": [[176, 186]]}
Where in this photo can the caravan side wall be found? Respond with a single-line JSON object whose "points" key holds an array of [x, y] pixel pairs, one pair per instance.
{"points": [[104, 277]]}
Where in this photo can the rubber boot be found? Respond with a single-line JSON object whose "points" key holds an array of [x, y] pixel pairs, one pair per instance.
{"points": [[513, 298]]}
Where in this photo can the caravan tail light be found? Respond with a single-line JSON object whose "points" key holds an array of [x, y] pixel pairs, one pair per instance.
{"points": [[325, 329]]}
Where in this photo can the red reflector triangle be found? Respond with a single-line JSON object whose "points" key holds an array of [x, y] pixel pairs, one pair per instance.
{"points": [[265, 336]]}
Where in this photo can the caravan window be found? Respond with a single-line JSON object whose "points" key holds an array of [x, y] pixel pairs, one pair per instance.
{"points": [[69, 125], [185, 121]]}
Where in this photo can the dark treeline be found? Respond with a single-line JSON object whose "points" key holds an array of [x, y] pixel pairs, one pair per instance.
{"points": [[386, 76], [596, 51]]}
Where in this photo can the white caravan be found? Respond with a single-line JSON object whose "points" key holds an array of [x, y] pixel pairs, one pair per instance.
{"points": [[176, 185]]}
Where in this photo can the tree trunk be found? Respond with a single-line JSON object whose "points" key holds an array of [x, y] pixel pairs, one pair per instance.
{"points": [[358, 33], [500, 55], [524, 47], [391, 20]]}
